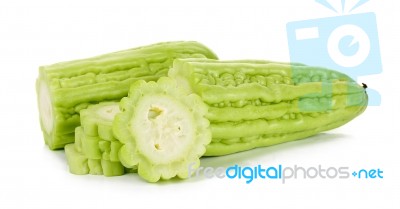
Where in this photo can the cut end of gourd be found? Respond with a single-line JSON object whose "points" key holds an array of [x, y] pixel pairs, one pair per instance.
{"points": [[45, 107], [163, 129]]}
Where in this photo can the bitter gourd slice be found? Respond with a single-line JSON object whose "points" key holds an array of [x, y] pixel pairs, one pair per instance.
{"points": [[95, 141], [261, 103], [96, 122], [162, 129], [65, 88], [79, 164]]}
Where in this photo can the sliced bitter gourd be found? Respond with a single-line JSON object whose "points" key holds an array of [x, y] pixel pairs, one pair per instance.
{"points": [[162, 129], [261, 103], [96, 122], [79, 164], [96, 148], [65, 88]]}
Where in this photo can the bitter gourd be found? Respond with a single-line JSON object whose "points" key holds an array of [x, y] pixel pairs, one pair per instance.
{"points": [[65, 88], [261, 103], [79, 164], [162, 128], [96, 148]]}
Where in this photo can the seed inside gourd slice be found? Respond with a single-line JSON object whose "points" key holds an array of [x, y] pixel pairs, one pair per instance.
{"points": [[162, 128]]}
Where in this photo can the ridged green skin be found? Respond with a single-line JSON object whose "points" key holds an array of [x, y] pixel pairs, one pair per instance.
{"points": [[262, 103], [66, 88], [162, 128], [96, 148]]}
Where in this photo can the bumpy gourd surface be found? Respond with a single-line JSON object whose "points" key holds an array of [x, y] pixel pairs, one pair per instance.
{"points": [[66, 88], [261, 103], [162, 129]]}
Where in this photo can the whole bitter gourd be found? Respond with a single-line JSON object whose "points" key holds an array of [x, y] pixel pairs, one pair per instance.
{"points": [[65, 88], [260, 103]]}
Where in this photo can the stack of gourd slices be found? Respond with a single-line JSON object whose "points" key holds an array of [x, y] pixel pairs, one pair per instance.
{"points": [[95, 150]]}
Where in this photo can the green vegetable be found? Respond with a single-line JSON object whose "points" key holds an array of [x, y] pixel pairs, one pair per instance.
{"points": [[65, 88], [96, 124], [79, 164], [96, 149], [162, 130], [261, 103]]}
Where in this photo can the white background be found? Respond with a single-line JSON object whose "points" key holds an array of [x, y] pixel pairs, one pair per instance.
{"points": [[34, 33]]}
